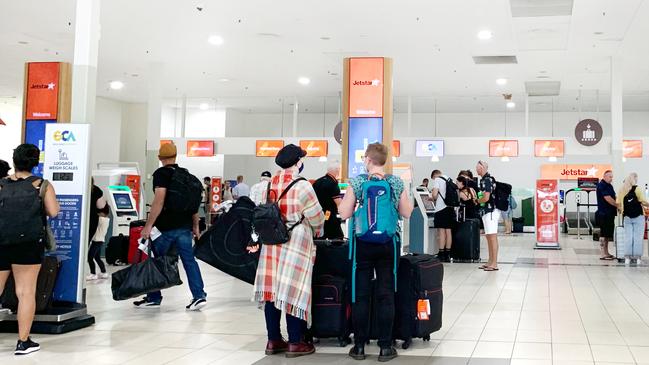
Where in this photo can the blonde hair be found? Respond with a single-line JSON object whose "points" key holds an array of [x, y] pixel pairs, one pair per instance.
{"points": [[378, 153], [629, 183]]}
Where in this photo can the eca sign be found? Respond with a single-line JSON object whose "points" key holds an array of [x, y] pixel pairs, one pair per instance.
{"points": [[65, 136]]}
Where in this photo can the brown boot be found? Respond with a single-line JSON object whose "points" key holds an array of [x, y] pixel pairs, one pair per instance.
{"points": [[276, 347], [299, 349]]}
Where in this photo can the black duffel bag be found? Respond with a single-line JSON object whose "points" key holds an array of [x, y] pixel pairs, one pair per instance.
{"points": [[153, 274]]}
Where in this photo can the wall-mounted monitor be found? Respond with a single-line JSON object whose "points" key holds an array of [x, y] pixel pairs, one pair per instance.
{"points": [[429, 148], [503, 148]]}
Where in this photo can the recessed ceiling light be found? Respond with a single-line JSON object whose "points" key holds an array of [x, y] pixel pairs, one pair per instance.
{"points": [[204, 106], [511, 105], [501, 81], [224, 79], [116, 85], [23, 42], [215, 40], [304, 80], [485, 35], [598, 33], [325, 38]]}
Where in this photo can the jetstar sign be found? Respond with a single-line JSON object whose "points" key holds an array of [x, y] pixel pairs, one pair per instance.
{"points": [[366, 87], [572, 172], [42, 92]]}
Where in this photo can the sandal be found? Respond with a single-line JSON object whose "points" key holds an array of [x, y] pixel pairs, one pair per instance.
{"points": [[609, 257], [483, 267], [489, 268]]}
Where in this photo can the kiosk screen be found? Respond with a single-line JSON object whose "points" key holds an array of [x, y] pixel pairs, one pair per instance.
{"points": [[123, 201], [428, 204]]}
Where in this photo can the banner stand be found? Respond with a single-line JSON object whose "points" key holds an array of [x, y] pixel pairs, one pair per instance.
{"points": [[547, 215]]}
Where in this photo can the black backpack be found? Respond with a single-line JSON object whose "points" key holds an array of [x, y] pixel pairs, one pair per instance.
{"points": [[21, 211], [452, 198], [185, 192], [268, 223], [632, 206], [502, 192]]}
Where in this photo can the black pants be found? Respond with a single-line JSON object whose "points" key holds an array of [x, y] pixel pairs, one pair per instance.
{"points": [[294, 326], [371, 257], [94, 254]]}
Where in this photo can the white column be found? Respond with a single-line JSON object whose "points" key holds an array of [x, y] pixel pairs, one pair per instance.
{"points": [[154, 120], [84, 69], [617, 117], [296, 109], [409, 116], [527, 115]]}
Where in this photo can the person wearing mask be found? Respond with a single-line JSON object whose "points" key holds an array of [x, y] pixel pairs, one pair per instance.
{"points": [[632, 202], [424, 184], [328, 193], [177, 228], [283, 279], [607, 208], [22, 249], [490, 214], [258, 190], [445, 216], [4, 169], [227, 192], [469, 199], [241, 189], [374, 258]]}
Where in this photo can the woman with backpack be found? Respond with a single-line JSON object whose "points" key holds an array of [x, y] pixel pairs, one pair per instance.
{"points": [[631, 201], [469, 207], [23, 207]]}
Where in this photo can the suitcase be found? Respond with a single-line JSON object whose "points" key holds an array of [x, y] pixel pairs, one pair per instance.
{"points": [[419, 298], [117, 250], [135, 255], [332, 258], [466, 241], [619, 237], [44, 287], [332, 311], [518, 225]]}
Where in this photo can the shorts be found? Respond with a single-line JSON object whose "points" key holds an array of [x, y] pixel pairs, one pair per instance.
{"points": [[606, 226], [22, 254], [490, 221], [445, 218]]}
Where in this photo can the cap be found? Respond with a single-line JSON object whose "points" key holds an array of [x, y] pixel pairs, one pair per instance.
{"points": [[167, 150], [266, 174], [289, 156]]}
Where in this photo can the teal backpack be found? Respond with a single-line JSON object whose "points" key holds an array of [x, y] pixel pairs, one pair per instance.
{"points": [[375, 221]]}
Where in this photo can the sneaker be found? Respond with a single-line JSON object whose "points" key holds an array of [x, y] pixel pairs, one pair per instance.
{"points": [[91, 277], [145, 303], [26, 347], [627, 261], [196, 304], [104, 275]]}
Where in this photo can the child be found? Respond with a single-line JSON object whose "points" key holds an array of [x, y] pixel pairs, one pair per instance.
{"points": [[94, 253]]}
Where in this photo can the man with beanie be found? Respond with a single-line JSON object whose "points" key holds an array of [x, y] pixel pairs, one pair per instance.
{"points": [[257, 191], [177, 231]]}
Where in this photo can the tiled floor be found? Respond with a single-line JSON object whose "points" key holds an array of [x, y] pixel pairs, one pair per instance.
{"points": [[561, 307]]}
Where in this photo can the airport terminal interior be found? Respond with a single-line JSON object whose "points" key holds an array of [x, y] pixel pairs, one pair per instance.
{"points": [[551, 97]]}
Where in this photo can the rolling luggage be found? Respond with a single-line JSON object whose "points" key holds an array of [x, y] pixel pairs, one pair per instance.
{"points": [[135, 255], [466, 241], [519, 225], [419, 298], [332, 258], [332, 311], [44, 287], [117, 250], [619, 238]]}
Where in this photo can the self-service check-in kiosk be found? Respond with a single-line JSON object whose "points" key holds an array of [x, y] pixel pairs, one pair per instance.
{"points": [[423, 237], [123, 210]]}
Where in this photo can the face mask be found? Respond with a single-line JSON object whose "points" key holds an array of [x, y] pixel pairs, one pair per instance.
{"points": [[301, 168]]}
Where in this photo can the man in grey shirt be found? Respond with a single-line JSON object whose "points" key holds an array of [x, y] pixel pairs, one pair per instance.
{"points": [[241, 189]]}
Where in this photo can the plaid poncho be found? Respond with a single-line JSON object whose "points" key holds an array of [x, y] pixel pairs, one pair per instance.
{"points": [[284, 271]]}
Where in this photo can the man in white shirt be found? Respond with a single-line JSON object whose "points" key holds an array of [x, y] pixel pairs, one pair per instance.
{"points": [[241, 189], [257, 190], [444, 215]]}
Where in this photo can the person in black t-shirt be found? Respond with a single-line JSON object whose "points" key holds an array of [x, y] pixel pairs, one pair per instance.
{"points": [[176, 228], [328, 193], [606, 212]]}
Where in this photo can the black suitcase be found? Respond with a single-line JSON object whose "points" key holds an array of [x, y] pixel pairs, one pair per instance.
{"points": [[466, 241], [44, 286], [419, 281], [518, 225], [117, 250], [332, 258], [331, 308]]}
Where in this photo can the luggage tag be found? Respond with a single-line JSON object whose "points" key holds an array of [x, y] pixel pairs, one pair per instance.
{"points": [[327, 215], [155, 233], [255, 237], [144, 246], [423, 309]]}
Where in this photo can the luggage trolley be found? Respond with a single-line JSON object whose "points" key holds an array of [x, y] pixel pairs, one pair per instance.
{"points": [[578, 222]]}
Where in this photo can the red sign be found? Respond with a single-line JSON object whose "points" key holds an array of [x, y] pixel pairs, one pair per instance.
{"points": [[396, 148], [632, 148], [200, 148], [315, 148], [133, 182], [547, 214], [215, 194], [503, 148], [268, 148], [548, 148], [366, 87], [42, 91], [165, 141], [572, 172]]}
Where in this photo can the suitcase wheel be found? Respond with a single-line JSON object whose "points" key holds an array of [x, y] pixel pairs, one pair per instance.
{"points": [[427, 338], [406, 344]]}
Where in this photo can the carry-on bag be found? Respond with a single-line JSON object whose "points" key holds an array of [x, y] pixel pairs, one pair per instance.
{"points": [[117, 250], [331, 308], [155, 273], [619, 238], [466, 241], [135, 255], [419, 298], [44, 286], [332, 258]]}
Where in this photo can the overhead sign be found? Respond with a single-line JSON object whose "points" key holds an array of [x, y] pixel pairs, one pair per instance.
{"points": [[572, 172], [42, 96], [503, 148], [268, 148], [549, 148], [200, 148], [315, 148], [632, 148], [588, 132], [547, 214], [366, 87], [396, 148], [429, 148]]}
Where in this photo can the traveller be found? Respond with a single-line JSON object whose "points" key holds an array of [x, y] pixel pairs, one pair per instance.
{"points": [[241, 189], [490, 214], [328, 192], [445, 216], [96, 243], [176, 228], [372, 257], [227, 192], [258, 190], [509, 214], [607, 208], [424, 184], [283, 279], [22, 248], [97, 204], [469, 208], [632, 202], [4, 169], [207, 189]]}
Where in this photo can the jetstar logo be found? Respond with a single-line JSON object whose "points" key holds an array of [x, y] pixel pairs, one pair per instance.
{"points": [[374, 82], [49, 86], [579, 172]]}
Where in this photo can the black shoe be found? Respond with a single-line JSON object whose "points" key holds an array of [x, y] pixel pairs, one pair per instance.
{"points": [[387, 354], [145, 303], [447, 255], [196, 304], [26, 347], [357, 352]]}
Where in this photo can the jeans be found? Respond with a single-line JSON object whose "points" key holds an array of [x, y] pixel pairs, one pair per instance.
{"points": [[94, 254], [633, 236], [181, 240], [371, 257], [294, 325]]}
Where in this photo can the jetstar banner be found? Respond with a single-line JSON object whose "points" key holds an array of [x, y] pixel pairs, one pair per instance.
{"points": [[366, 87], [548, 148], [503, 148], [572, 172], [315, 148], [200, 148], [632, 148], [268, 148], [42, 91], [396, 148], [547, 214]]}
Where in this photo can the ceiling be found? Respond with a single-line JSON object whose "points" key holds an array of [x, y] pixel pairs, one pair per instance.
{"points": [[269, 44]]}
